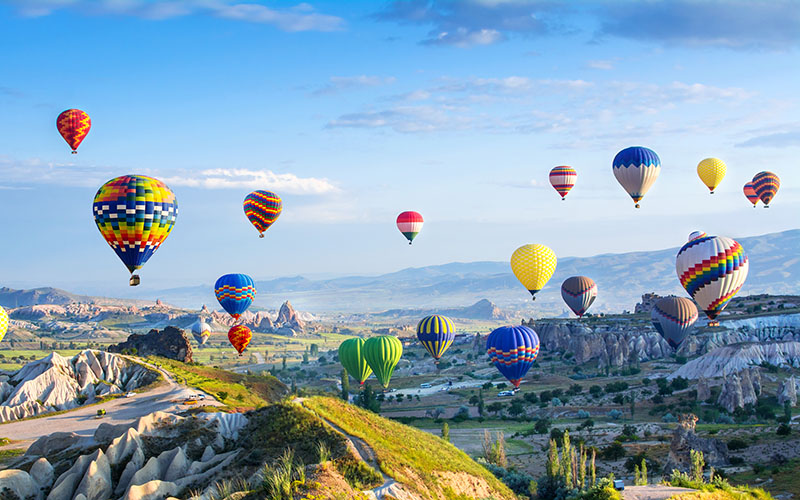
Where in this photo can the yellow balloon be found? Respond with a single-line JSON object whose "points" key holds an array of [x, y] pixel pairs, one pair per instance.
{"points": [[711, 172], [533, 265], [3, 323]]}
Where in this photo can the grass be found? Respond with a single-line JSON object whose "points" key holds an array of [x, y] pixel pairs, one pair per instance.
{"points": [[784, 478], [232, 389], [8, 455], [404, 453]]}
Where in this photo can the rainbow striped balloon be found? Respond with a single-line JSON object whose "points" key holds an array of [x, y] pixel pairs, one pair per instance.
{"points": [[750, 194], [563, 179], [766, 185], [712, 269], [262, 208], [436, 333], [235, 293], [512, 350]]}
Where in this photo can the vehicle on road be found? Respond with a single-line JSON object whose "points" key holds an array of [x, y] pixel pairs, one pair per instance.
{"points": [[425, 386], [502, 394], [100, 413], [130, 395], [619, 484]]}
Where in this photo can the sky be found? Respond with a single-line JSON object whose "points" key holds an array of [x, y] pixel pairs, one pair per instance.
{"points": [[356, 111]]}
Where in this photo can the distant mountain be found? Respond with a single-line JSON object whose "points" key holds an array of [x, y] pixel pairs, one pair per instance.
{"points": [[621, 280], [11, 298], [483, 309]]}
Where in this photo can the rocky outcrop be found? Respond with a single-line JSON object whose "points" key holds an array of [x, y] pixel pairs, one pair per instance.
{"points": [[684, 439], [787, 392], [288, 317], [58, 383], [170, 343], [19, 483], [703, 389], [739, 390], [724, 361]]}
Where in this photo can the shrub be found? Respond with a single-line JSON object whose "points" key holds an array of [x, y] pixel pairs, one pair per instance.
{"points": [[784, 430], [737, 444], [583, 414], [616, 387], [556, 402], [725, 419], [669, 418], [531, 397], [614, 451], [462, 414], [595, 390], [614, 414], [542, 426]]}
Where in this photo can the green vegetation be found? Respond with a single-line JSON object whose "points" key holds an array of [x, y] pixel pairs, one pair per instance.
{"points": [[404, 453], [783, 478], [232, 389], [716, 488]]}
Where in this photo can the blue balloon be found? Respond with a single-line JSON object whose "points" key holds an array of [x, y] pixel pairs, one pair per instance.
{"points": [[436, 333], [513, 349], [636, 155], [235, 293]]}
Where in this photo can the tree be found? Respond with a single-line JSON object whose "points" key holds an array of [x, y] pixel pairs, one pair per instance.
{"points": [[595, 390], [446, 432], [542, 426], [345, 385], [314, 351], [480, 403], [495, 452], [473, 400], [305, 358], [367, 400], [614, 451], [531, 397], [284, 363], [698, 462], [516, 409], [495, 407]]}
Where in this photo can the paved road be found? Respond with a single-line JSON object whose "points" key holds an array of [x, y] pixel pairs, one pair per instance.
{"points": [[82, 421], [652, 492]]}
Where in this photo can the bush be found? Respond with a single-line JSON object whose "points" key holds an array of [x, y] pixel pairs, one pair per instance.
{"points": [[614, 451], [556, 402], [595, 390], [783, 430], [461, 415], [669, 418], [557, 434], [545, 396], [616, 387], [725, 419], [531, 397], [583, 414], [603, 490], [518, 482], [614, 414], [542, 426], [737, 444]]}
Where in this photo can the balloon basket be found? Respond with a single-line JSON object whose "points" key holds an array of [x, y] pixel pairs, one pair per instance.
{"points": [[260, 235], [636, 205], [74, 152], [409, 242], [134, 281]]}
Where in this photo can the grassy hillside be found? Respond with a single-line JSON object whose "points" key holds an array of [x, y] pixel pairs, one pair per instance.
{"points": [[233, 389], [408, 455]]}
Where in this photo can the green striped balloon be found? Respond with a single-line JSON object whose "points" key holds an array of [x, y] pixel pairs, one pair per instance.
{"points": [[351, 356], [382, 354]]}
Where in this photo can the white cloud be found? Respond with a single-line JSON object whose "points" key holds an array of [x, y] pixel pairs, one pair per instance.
{"points": [[220, 178], [340, 83], [301, 17], [600, 64]]}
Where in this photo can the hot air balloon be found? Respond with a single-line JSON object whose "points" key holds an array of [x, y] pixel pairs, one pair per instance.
{"points": [[513, 349], [636, 169], [766, 185], [711, 171], [579, 293], [563, 178], [533, 265], [235, 293], [239, 336], [382, 354], [750, 194], [3, 323], [712, 269], [673, 317], [410, 224], [73, 125], [696, 234], [262, 208], [135, 214], [351, 356], [200, 331], [436, 333]]}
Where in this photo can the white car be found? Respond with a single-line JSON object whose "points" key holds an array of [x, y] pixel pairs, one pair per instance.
{"points": [[619, 484], [502, 394], [425, 386], [130, 395]]}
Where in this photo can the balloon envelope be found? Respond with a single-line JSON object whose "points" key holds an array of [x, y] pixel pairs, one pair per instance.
{"points": [[351, 356], [750, 193], [235, 293], [436, 333], [201, 331], [579, 292], [696, 234], [262, 209], [513, 349], [673, 318], [711, 171], [239, 337], [563, 179], [766, 185], [135, 214], [712, 269], [533, 265], [73, 125], [3, 323], [410, 224], [636, 169], [382, 354]]}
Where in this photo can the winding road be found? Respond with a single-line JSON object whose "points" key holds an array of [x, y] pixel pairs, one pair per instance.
{"points": [[168, 396]]}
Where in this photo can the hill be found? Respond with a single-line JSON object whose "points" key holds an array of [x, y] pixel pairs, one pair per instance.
{"points": [[621, 280], [483, 309], [11, 298]]}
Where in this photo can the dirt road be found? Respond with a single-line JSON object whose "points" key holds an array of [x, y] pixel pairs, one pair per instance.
{"points": [[82, 421], [651, 492]]}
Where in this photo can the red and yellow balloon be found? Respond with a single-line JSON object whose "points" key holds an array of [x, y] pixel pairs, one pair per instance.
{"points": [[73, 125]]}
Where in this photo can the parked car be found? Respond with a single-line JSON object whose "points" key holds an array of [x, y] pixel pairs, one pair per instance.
{"points": [[425, 386], [502, 394], [619, 484], [130, 395]]}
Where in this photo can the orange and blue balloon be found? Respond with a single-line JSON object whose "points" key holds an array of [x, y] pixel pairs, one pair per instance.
{"points": [[135, 214], [766, 185], [235, 293], [579, 293], [513, 349], [436, 334], [73, 125], [750, 194], [262, 208], [673, 318]]}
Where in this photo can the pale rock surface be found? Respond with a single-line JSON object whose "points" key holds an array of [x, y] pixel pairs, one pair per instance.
{"points": [[724, 361], [703, 389], [42, 473], [208, 454], [135, 463], [20, 483], [787, 391], [152, 490], [96, 483], [123, 447]]}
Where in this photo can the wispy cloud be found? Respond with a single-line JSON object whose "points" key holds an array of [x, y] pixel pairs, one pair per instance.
{"points": [[301, 17], [603, 64], [342, 83], [774, 140], [21, 174], [465, 23]]}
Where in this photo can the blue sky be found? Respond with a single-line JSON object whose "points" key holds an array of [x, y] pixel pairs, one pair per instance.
{"points": [[356, 111]]}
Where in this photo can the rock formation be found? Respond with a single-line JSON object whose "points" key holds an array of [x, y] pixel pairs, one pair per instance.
{"points": [[739, 390], [703, 389], [170, 343], [684, 439], [287, 317], [787, 391], [58, 383], [723, 361]]}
